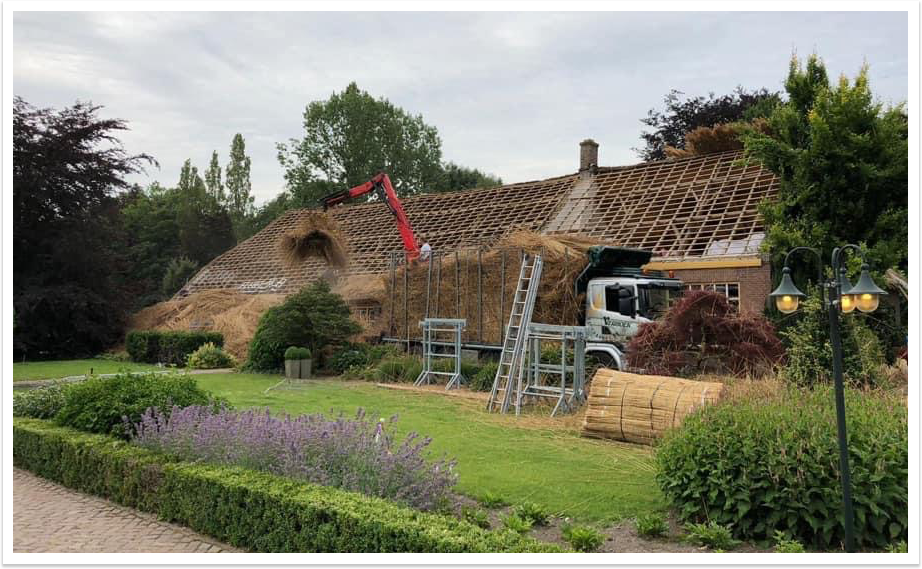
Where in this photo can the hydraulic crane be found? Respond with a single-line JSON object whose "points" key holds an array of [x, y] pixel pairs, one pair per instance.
{"points": [[381, 185]]}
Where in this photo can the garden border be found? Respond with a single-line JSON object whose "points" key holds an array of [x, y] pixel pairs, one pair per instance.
{"points": [[248, 509]]}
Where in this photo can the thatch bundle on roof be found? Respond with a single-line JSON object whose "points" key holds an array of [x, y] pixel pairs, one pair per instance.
{"points": [[640, 408], [317, 235], [232, 313], [454, 284]]}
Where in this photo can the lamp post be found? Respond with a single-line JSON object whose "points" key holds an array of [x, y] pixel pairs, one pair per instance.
{"points": [[838, 294]]}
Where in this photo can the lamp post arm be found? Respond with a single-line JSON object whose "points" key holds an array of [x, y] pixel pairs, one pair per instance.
{"points": [[819, 264]]}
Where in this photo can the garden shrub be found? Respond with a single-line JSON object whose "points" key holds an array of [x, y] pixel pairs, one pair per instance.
{"points": [[492, 501], [40, 403], [652, 524], [210, 356], [100, 404], [248, 509], [809, 350], [358, 454], [582, 538], [171, 347], [468, 368], [532, 511], [400, 369], [314, 317], [785, 545], [358, 355], [297, 353], [772, 464], [517, 523], [711, 535], [483, 379], [702, 333], [475, 516]]}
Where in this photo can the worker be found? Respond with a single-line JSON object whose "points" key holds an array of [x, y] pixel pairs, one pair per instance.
{"points": [[425, 251]]}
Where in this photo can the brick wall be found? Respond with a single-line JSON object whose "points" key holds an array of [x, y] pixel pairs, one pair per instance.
{"points": [[755, 283]]}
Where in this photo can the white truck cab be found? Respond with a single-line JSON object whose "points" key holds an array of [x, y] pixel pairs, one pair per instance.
{"points": [[620, 296]]}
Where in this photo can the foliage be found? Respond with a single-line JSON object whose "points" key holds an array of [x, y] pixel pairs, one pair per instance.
{"points": [[178, 272], [296, 353], [711, 535], [767, 464], [701, 332], [652, 524], [582, 538], [313, 317], [809, 352], [70, 294], [120, 356], [842, 161], [170, 347], [213, 180], [475, 516], [483, 379], [899, 547], [102, 404], [237, 181], [468, 368], [400, 369], [516, 523], [785, 545], [358, 454], [40, 403], [209, 356], [492, 501], [537, 514], [358, 355], [454, 178], [680, 117], [352, 136], [248, 509]]}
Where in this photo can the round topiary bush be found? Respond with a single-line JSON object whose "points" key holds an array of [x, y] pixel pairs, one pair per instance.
{"points": [[771, 463], [209, 356], [297, 353]]}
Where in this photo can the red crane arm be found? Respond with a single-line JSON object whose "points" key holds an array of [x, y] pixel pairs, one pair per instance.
{"points": [[381, 184]]}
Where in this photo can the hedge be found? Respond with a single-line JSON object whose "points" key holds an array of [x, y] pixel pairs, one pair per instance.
{"points": [[167, 346], [248, 509]]}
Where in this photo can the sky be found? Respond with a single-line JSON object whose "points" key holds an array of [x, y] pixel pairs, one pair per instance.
{"points": [[511, 94]]}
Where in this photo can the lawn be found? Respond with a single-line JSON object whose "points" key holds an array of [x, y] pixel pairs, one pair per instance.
{"points": [[64, 368], [541, 460]]}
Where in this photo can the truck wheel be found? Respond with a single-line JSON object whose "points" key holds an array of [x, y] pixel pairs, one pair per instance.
{"points": [[597, 361]]}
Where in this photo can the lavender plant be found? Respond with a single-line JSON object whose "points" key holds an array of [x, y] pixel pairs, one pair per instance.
{"points": [[354, 454]]}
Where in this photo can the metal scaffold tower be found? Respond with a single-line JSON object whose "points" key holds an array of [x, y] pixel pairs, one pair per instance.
{"points": [[540, 379], [509, 371], [444, 333]]}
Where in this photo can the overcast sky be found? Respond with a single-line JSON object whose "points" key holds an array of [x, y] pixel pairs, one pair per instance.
{"points": [[510, 93]]}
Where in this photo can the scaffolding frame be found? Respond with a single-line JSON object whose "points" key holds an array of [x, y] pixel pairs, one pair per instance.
{"points": [[569, 337], [445, 333]]}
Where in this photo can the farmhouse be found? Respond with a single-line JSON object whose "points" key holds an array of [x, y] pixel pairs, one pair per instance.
{"points": [[698, 215]]}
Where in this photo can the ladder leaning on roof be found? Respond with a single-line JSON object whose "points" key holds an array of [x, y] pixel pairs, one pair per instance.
{"points": [[509, 370]]}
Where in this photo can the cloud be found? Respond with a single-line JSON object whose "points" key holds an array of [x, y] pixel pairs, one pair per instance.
{"points": [[511, 93]]}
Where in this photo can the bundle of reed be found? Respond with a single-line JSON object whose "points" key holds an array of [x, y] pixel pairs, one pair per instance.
{"points": [[317, 235], [640, 408]]}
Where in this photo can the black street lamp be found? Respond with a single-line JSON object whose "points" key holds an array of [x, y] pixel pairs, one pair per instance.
{"points": [[841, 295]]}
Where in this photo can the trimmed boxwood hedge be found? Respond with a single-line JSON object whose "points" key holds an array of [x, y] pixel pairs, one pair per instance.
{"points": [[248, 509], [170, 347]]}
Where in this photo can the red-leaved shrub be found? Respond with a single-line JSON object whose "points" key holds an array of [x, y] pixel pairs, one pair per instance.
{"points": [[702, 333]]}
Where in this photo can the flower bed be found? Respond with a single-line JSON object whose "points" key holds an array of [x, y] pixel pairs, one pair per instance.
{"points": [[253, 510], [355, 454]]}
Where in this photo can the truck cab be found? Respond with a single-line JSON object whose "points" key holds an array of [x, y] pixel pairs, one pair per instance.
{"points": [[620, 296]]}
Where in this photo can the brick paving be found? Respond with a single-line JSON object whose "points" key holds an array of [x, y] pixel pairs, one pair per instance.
{"points": [[50, 518]]}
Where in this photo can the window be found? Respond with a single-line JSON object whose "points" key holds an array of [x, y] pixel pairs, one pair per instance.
{"points": [[730, 290]]}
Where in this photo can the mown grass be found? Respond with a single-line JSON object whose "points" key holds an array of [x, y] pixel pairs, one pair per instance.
{"points": [[64, 368], [541, 461]]}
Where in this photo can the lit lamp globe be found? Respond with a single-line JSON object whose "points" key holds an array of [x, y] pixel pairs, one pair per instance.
{"points": [[847, 300], [867, 294], [787, 296]]}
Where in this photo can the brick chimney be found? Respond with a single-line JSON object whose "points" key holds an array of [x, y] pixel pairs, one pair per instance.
{"points": [[588, 155]]}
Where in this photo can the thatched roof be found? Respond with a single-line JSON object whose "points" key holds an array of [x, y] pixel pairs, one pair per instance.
{"points": [[692, 207]]}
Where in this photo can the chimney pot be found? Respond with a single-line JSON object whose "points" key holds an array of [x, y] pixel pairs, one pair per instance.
{"points": [[588, 155]]}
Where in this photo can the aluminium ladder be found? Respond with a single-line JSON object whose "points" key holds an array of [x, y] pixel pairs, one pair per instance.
{"points": [[509, 371]]}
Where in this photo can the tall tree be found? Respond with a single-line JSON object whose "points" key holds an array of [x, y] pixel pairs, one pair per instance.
{"points": [[454, 178], [213, 179], [680, 117], [352, 136], [68, 293], [842, 161], [239, 201]]}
